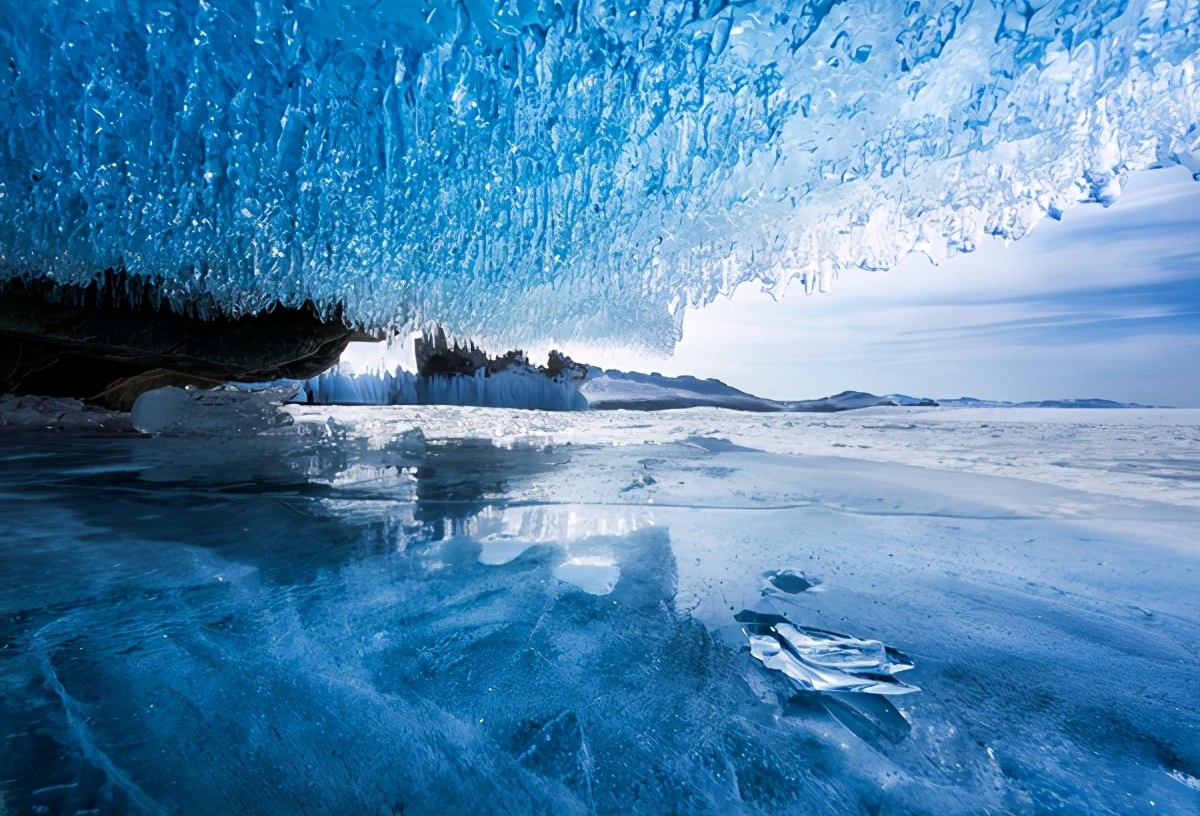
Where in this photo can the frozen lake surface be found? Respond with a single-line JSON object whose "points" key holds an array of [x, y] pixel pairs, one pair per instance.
{"points": [[442, 610]]}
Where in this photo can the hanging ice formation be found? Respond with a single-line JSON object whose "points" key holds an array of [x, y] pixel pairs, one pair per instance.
{"points": [[453, 374], [514, 388], [529, 169]]}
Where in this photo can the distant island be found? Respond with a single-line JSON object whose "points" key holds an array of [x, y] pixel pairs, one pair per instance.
{"points": [[611, 390]]}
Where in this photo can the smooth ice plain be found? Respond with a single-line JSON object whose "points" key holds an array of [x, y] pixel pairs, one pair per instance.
{"points": [[440, 610]]}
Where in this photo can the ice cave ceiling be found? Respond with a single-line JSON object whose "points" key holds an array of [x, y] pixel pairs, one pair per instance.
{"points": [[527, 169]]}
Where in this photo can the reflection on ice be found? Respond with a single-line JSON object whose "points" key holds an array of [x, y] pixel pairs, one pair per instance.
{"points": [[505, 533], [555, 523], [594, 575], [499, 548], [825, 661]]}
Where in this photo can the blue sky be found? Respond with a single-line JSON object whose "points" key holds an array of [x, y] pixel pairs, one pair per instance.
{"points": [[1104, 303]]}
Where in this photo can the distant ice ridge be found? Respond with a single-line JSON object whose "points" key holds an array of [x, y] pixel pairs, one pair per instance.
{"points": [[511, 388], [345, 387], [529, 171]]}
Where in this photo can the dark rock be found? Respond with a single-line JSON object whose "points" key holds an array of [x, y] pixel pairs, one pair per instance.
{"points": [[562, 368], [122, 394], [438, 357], [80, 341]]}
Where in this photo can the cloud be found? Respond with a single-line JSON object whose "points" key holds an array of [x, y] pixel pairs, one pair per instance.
{"points": [[1085, 315]]}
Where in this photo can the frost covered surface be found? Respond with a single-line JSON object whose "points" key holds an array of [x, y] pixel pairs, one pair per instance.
{"points": [[55, 413], [1148, 454], [522, 171], [384, 610]]}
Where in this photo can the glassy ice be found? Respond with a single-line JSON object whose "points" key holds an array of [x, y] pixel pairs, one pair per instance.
{"points": [[376, 610]]}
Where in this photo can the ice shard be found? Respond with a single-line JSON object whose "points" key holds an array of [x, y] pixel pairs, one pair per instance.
{"points": [[817, 660], [531, 169]]}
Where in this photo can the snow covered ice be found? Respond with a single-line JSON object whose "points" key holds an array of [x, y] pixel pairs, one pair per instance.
{"points": [[411, 609]]}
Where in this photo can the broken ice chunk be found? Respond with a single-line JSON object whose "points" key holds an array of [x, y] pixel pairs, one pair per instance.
{"points": [[818, 660], [793, 583], [175, 411]]}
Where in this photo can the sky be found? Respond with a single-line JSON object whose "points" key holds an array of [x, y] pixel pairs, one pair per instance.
{"points": [[1104, 303]]}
